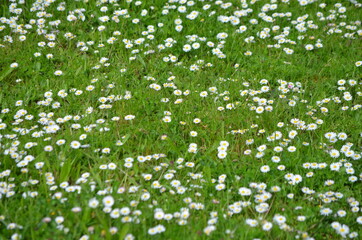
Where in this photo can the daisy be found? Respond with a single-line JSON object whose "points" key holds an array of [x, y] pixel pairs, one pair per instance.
{"points": [[267, 226], [93, 203], [325, 211], [115, 213], [265, 169], [221, 155], [58, 73], [75, 144], [309, 47], [129, 117], [244, 191], [203, 94], [14, 65], [220, 187], [259, 109]]}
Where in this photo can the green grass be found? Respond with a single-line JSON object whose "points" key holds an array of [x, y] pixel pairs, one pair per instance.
{"points": [[61, 182]]}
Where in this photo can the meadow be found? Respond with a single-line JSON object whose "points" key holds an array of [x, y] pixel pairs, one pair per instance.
{"points": [[176, 119]]}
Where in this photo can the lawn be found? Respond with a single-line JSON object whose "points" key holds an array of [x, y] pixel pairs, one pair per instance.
{"points": [[199, 119]]}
